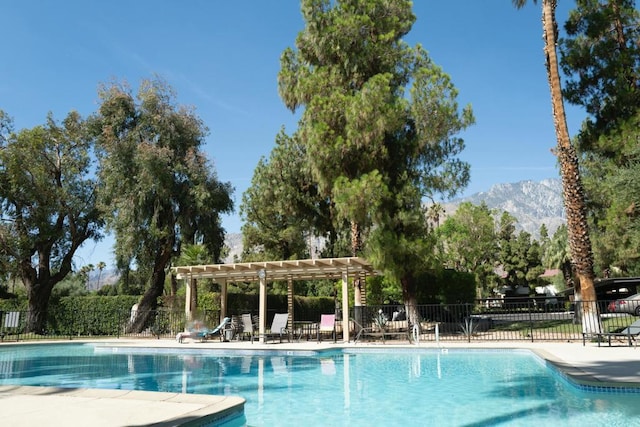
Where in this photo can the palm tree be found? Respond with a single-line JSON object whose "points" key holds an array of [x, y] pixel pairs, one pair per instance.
{"points": [[84, 272], [434, 214], [192, 254], [573, 192], [101, 266]]}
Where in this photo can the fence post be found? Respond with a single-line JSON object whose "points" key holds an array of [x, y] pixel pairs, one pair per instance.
{"points": [[119, 316], [74, 315], [530, 320]]}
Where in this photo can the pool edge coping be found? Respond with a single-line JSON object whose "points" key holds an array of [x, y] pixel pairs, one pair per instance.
{"points": [[210, 409], [583, 379]]}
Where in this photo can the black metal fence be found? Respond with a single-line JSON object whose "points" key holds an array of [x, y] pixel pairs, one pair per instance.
{"points": [[528, 320], [483, 321]]}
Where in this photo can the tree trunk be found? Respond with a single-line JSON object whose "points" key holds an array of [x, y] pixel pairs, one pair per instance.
{"points": [[39, 284], [38, 295], [149, 302], [410, 302], [575, 207]]}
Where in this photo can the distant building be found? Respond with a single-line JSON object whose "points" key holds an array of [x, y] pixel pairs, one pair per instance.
{"points": [[550, 273], [612, 288]]}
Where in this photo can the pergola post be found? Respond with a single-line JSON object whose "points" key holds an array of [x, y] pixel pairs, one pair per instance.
{"points": [[357, 300], [189, 309], [262, 312], [357, 291], [290, 302], [223, 299], [345, 305]]}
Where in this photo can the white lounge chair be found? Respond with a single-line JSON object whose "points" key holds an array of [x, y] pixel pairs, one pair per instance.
{"points": [[279, 327]]}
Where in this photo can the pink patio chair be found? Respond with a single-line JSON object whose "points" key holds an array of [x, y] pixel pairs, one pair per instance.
{"points": [[327, 324]]}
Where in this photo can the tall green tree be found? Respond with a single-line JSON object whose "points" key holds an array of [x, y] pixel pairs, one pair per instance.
{"points": [[601, 57], [376, 151], [556, 255], [468, 240], [346, 72], [520, 258], [282, 207], [48, 198], [158, 186], [573, 191], [618, 226], [506, 242]]}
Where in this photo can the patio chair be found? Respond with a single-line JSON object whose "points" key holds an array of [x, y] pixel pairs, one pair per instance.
{"points": [[11, 324], [204, 334], [631, 332], [279, 327], [248, 327], [327, 324]]}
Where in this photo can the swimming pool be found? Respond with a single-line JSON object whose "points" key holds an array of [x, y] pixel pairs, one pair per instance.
{"points": [[345, 387]]}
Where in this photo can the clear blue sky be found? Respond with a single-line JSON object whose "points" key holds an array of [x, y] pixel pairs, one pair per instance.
{"points": [[223, 58]]}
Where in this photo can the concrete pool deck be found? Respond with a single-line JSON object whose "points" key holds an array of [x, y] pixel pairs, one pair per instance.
{"points": [[590, 365]]}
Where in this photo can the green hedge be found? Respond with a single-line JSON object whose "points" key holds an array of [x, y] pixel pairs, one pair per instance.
{"points": [[90, 315], [108, 315]]}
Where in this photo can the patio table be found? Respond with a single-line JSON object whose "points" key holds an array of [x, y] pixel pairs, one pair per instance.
{"points": [[304, 327]]}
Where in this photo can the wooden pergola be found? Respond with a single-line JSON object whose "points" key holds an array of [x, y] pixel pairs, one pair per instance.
{"points": [[270, 271]]}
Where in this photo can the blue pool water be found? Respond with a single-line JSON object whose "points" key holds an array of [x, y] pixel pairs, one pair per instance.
{"points": [[350, 388]]}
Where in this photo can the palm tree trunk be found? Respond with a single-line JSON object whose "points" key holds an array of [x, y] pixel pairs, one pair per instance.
{"points": [[575, 207], [356, 238]]}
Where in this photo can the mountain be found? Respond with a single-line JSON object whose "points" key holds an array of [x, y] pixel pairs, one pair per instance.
{"points": [[97, 279], [531, 203], [234, 242]]}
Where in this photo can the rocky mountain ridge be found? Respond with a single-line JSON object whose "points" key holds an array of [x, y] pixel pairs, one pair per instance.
{"points": [[531, 203]]}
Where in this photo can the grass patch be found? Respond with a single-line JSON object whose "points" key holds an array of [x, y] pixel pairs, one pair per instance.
{"points": [[561, 326]]}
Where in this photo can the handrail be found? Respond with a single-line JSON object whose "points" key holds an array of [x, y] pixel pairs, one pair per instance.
{"points": [[359, 327]]}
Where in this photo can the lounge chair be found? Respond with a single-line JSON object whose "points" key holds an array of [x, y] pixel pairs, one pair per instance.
{"points": [[279, 327], [204, 334], [248, 327], [631, 332], [327, 324]]}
